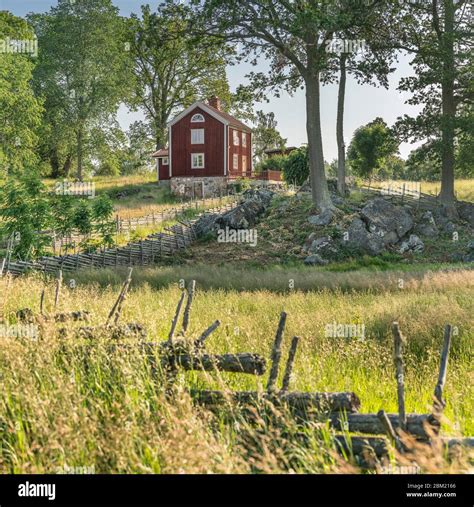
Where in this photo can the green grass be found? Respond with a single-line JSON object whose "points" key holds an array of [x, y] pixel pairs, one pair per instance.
{"points": [[66, 404]]}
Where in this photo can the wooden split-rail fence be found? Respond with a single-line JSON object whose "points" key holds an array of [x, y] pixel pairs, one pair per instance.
{"points": [[124, 225], [377, 434], [138, 253], [340, 410]]}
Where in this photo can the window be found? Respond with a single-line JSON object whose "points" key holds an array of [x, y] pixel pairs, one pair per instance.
{"points": [[165, 161], [244, 164], [235, 164], [197, 160], [244, 139], [197, 118], [197, 136], [236, 138]]}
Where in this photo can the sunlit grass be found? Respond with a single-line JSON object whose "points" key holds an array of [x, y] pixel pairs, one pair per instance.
{"points": [[63, 404]]}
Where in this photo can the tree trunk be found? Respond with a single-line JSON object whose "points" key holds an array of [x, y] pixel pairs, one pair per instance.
{"points": [[341, 149], [54, 161], [446, 195], [319, 186], [79, 137], [67, 165], [161, 136]]}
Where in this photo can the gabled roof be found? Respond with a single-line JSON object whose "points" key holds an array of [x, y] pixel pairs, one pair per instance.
{"points": [[222, 116], [164, 152]]}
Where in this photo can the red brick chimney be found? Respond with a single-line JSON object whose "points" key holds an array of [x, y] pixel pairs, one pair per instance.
{"points": [[215, 102]]}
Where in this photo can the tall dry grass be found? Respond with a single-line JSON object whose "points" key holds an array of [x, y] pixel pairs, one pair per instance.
{"points": [[67, 403]]}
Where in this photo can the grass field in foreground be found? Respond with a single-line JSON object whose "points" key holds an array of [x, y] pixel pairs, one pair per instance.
{"points": [[62, 405]]}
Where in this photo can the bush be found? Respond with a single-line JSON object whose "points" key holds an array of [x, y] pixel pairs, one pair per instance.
{"points": [[296, 166]]}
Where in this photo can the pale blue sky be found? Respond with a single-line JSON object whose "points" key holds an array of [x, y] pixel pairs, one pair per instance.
{"points": [[363, 103]]}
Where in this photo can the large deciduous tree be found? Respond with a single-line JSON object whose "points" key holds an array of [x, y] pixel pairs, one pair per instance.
{"points": [[20, 111], [360, 51], [172, 67], [291, 37], [438, 34], [371, 145], [81, 70]]}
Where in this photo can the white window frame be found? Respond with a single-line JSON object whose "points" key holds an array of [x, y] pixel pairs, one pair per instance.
{"points": [[193, 165], [197, 118], [235, 158], [199, 133], [165, 161], [244, 139], [235, 138]]}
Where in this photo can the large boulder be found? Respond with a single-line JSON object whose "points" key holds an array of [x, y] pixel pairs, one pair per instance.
{"points": [[323, 245], [466, 212], [386, 220], [426, 226], [324, 218], [246, 214], [414, 244], [359, 238], [206, 224]]}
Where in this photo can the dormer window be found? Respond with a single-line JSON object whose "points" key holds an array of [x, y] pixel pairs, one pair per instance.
{"points": [[197, 118]]}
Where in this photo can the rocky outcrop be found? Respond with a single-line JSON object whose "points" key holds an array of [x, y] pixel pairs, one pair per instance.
{"points": [[360, 239], [253, 205], [466, 212], [386, 220], [426, 226]]}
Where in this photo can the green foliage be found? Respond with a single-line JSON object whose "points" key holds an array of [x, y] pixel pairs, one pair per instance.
{"points": [[274, 163], [438, 35], [172, 67], [20, 110], [370, 146], [265, 135], [296, 166], [25, 209], [102, 214], [81, 73], [82, 218]]}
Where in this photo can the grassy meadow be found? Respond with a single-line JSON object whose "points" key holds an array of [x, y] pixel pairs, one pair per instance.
{"points": [[66, 404]]}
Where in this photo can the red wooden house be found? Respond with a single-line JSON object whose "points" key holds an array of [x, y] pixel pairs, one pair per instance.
{"points": [[207, 147]]}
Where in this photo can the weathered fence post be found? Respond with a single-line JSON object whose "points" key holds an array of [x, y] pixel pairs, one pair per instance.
{"points": [[398, 358], [276, 353], [59, 282], [289, 364], [189, 302], [439, 403]]}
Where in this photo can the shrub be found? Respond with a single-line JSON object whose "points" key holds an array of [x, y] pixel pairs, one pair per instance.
{"points": [[296, 166]]}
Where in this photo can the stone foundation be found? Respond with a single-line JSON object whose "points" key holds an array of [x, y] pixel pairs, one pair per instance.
{"points": [[199, 187]]}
